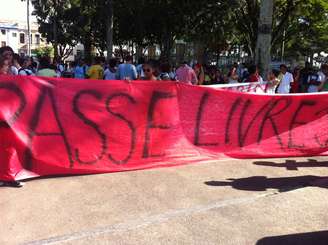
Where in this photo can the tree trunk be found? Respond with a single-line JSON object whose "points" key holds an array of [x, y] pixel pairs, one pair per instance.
{"points": [[110, 26], [55, 30], [167, 46], [87, 49], [55, 38], [263, 47], [139, 52]]}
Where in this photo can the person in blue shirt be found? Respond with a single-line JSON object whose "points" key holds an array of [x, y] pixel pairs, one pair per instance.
{"points": [[127, 71], [80, 70]]}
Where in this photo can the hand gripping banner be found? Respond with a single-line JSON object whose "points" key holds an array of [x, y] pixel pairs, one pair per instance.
{"points": [[67, 126]]}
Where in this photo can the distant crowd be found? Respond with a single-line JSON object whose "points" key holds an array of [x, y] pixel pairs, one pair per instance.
{"points": [[282, 81]]}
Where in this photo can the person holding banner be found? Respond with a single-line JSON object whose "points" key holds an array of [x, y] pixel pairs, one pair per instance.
{"points": [[4, 66], [273, 81], [96, 71], [254, 75], [8, 53], [127, 71], [45, 68], [233, 76], [186, 74], [149, 71], [286, 80], [25, 63], [110, 72]]}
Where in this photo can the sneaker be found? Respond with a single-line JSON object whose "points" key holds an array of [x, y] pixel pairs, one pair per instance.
{"points": [[15, 184]]}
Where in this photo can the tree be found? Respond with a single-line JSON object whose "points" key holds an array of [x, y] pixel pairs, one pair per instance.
{"points": [[55, 24]]}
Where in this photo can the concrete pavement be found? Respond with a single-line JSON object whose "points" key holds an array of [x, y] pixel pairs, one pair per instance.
{"points": [[227, 202]]}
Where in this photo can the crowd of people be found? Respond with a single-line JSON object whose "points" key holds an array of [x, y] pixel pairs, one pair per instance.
{"points": [[282, 81]]}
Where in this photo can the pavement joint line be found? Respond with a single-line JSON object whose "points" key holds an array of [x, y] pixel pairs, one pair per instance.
{"points": [[144, 222]]}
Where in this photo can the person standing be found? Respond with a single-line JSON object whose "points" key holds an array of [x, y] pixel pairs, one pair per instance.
{"points": [[233, 76], [199, 70], [16, 64], [80, 70], [110, 72], [45, 68], [139, 67], [127, 71], [186, 74], [304, 77], [4, 66], [273, 81], [96, 71], [296, 87], [25, 63], [323, 78], [286, 80], [313, 82], [8, 53], [149, 70], [254, 75]]}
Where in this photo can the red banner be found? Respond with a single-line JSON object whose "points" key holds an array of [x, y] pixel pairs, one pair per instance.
{"points": [[66, 126]]}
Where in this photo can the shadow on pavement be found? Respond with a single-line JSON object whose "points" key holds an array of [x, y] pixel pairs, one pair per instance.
{"points": [[262, 183], [293, 165], [313, 238]]}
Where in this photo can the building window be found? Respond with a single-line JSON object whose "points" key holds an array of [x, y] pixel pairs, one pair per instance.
{"points": [[22, 38], [3, 44], [31, 39], [37, 39], [14, 34], [3, 32]]}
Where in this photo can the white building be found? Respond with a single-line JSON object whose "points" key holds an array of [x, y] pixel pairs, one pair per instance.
{"points": [[14, 34]]}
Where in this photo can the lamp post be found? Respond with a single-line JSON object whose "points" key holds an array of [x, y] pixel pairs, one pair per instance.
{"points": [[110, 26], [28, 28]]}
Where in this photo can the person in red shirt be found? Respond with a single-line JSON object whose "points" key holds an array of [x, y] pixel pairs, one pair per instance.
{"points": [[254, 76], [296, 84]]}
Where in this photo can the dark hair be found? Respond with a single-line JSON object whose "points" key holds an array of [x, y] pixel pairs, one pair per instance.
{"points": [[44, 63], [275, 72], [252, 69], [112, 62], [128, 58], [165, 67], [283, 66], [24, 59], [151, 63], [324, 66], [16, 57], [141, 60], [4, 49], [154, 64], [98, 59]]}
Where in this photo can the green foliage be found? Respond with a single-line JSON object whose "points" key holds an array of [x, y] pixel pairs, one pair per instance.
{"points": [[218, 24], [43, 51]]}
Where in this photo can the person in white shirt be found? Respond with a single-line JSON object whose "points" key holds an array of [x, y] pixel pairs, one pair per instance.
{"points": [[286, 80]]}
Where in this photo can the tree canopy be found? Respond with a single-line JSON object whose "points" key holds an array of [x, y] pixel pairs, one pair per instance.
{"points": [[218, 25]]}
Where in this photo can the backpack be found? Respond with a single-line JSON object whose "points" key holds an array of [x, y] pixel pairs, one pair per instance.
{"points": [[28, 73]]}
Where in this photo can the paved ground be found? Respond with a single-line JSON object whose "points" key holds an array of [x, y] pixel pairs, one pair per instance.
{"points": [[267, 202]]}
